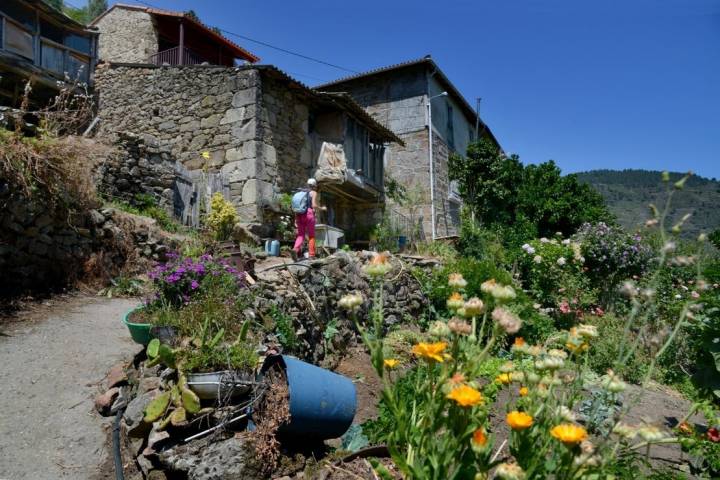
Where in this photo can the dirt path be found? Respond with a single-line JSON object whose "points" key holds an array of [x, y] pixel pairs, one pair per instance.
{"points": [[50, 369]]}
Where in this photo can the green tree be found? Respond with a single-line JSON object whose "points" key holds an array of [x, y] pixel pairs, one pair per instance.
{"points": [[520, 201], [80, 15], [714, 238], [56, 4], [95, 8]]}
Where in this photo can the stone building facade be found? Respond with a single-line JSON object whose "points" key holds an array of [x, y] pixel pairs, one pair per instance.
{"points": [[397, 97], [251, 132], [139, 34]]}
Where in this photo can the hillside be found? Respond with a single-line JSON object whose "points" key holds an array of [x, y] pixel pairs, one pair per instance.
{"points": [[628, 193]]}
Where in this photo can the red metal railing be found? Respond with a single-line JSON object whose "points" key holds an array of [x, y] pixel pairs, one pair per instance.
{"points": [[173, 57]]}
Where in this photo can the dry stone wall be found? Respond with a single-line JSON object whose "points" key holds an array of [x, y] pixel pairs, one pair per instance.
{"points": [[126, 36]]}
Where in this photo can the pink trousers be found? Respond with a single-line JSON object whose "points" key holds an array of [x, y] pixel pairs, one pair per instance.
{"points": [[305, 224]]}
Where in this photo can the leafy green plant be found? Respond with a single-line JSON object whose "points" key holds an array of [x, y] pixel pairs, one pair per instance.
{"points": [[284, 328]]}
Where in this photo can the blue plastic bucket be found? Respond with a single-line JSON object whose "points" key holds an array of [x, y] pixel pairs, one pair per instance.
{"points": [[322, 403]]}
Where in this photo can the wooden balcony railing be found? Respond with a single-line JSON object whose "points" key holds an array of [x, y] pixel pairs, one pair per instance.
{"points": [[177, 56]]}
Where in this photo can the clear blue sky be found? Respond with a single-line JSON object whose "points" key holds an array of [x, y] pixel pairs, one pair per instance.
{"points": [[591, 84]]}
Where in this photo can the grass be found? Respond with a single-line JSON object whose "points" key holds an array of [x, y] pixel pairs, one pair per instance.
{"points": [[146, 206]]}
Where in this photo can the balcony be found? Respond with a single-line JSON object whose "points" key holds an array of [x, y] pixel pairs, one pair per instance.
{"points": [[178, 56]]}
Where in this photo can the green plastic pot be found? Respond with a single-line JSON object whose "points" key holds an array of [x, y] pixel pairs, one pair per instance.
{"points": [[140, 332]]}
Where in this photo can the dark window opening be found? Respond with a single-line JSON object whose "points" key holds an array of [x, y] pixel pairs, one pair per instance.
{"points": [[450, 127]]}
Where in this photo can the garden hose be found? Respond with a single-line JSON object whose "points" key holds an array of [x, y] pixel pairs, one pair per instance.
{"points": [[117, 456]]}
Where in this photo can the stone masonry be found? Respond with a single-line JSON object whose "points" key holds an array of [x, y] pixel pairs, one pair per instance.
{"points": [[131, 36], [244, 131]]}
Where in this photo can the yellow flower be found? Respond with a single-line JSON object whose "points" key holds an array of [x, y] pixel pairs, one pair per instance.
{"points": [[479, 440], [205, 155], [519, 420], [430, 351], [455, 301], [523, 391], [503, 378], [465, 396], [391, 362], [569, 433], [378, 265]]}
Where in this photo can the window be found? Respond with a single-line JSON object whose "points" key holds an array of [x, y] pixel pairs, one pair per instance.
{"points": [[21, 14], [356, 146], [450, 128], [18, 40], [78, 42], [377, 155], [52, 58]]}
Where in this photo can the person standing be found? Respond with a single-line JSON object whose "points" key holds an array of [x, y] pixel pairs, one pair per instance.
{"points": [[305, 204]]}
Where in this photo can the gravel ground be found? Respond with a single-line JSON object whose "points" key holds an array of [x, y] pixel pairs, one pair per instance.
{"points": [[51, 366]]}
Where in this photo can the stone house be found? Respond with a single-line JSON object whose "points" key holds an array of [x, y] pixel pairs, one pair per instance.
{"points": [[251, 132], [397, 96], [137, 34], [39, 42]]}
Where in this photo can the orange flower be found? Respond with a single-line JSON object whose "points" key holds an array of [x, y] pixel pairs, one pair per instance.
{"points": [[391, 362], [569, 433], [686, 428], [465, 396], [455, 301], [519, 420], [479, 439], [523, 391], [519, 341], [503, 378], [457, 379], [430, 351]]}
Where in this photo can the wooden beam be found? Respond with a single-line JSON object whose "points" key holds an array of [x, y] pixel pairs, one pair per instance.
{"points": [[181, 50]]}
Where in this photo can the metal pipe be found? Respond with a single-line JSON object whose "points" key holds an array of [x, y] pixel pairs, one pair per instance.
{"points": [[432, 163]]}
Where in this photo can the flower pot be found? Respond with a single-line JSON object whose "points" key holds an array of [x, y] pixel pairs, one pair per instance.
{"points": [[212, 385], [322, 403], [140, 332]]}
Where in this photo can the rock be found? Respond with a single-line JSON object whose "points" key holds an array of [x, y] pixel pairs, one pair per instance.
{"points": [[148, 383], [104, 401], [154, 437], [116, 375], [135, 412], [156, 475], [243, 234], [224, 460], [96, 218]]}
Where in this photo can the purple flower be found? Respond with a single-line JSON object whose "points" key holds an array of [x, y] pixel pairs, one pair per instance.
{"points": [[194, 284]]}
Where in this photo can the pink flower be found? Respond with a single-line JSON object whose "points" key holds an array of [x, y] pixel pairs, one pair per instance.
{"points": [[564, 307]]}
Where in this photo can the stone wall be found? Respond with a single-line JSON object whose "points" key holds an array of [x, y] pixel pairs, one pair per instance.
{"points": [[193, 112], [127, 36], [138, 166]]}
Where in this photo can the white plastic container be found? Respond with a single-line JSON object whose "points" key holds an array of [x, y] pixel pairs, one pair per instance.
{"points": [[211, 385], [327, 236]]}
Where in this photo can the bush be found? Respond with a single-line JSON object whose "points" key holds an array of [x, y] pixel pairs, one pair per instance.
{"points": [[612, 255], [222, 217], [552, 271], [180, 279], [146, 205], [606, 350]]}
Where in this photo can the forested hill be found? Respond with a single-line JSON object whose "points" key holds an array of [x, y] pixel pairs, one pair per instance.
{"points": [[628, 193]]}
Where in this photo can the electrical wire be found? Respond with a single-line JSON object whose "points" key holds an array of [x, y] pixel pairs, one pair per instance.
{"points": [[280, 49]]}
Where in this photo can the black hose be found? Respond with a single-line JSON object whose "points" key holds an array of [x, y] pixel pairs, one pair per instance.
{"points": [[117, 456]]}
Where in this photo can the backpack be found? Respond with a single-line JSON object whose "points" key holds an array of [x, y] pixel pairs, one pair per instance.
{"points": [[301, 201]]}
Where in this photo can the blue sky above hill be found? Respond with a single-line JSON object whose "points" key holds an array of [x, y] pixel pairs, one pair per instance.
{"points": [[613, 84]]}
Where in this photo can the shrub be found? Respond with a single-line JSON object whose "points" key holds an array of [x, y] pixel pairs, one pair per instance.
{"points": [[552, 271], [612, 255], [182, 278], [222, 217]]}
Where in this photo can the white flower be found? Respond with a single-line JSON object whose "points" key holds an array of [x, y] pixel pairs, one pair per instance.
{"points": [[530, 250], [526, 246], [561, 261], [537, 259], [678, 296], [566, 241], [544, 240]]}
